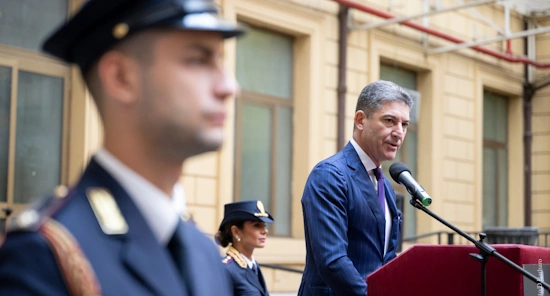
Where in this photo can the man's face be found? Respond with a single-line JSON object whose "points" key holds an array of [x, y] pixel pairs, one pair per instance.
{"points": [[183, 93], [383, 133]]}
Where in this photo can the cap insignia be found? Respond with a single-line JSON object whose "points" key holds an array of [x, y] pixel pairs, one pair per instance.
{"points": [[262, 212], [120, 30], [106, 211]]}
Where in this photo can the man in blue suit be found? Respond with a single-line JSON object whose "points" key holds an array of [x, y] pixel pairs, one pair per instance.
{"points": [[351, 221], [155, 71]]}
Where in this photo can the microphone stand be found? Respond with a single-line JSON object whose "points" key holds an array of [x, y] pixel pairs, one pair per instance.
{"points": [[485, 250]]}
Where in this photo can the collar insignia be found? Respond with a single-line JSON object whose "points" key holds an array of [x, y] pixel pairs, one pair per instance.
{"points": [[106, 211]]}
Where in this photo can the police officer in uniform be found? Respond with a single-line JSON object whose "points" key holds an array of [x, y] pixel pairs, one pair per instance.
{"points": [[244, 229], [155, 71]]}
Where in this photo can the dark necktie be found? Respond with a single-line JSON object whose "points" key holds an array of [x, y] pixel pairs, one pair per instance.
{"points": [[381, 194], [256, 270], [176, 247]]}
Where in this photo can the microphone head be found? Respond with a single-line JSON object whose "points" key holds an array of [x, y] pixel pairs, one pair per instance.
{"points": [[396, 169]]}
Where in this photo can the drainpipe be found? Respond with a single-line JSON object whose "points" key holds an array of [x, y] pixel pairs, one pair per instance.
{"points": [[528, 93], [342, 88]]}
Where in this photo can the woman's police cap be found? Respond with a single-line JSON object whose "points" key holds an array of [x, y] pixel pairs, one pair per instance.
{"points": [[249, 210], [99, 24]]}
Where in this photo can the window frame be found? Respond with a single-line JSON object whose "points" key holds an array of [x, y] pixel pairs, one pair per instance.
{"points": [[19, 59], [498, 147], [271, 102]]}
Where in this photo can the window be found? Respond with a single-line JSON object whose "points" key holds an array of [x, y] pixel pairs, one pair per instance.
{"points": [[264, 131], [408, 153], [38, 130], [31, 133], [33, 94], [5, 91], [495, 160], [25, 23]]}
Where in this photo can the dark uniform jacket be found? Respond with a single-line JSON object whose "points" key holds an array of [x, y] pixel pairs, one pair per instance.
{"points": [[125, 260], [245, 281]]}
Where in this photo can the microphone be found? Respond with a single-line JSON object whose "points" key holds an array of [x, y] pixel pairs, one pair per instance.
{"points": [[402, 175]]}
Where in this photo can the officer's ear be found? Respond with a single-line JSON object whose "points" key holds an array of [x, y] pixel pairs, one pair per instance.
{"points": [[119, 75], [359, 120], [235, 231]]}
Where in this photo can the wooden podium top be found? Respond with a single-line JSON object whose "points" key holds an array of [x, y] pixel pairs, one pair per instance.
{"points": [[449, 270]]}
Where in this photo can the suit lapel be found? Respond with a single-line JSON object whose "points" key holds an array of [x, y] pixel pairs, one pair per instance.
{"points": [[141, 253], [366, 187], [149, 265], [196, 258], [261, 279], [254, 280]]}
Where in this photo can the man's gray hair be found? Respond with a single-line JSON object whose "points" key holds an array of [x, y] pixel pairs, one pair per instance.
{"points": [[377, 93]]}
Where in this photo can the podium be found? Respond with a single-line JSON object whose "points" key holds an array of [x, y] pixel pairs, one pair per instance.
{"points": [[448, 270]]}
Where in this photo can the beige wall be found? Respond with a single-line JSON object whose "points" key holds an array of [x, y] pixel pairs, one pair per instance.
{"points": [[450, 128]]}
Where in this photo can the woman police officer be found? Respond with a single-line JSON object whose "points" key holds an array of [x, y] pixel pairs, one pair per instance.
{"points": [[244, 229]]}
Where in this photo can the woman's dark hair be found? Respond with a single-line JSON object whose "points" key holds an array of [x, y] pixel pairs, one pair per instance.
{"points": [[224, 237]]}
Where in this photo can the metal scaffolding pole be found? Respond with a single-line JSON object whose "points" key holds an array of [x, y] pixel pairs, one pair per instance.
{"points": [[487, 41], [424, 14]]}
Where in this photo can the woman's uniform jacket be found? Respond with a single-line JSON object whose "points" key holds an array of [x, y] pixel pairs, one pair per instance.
{"points": [[245, 281]]}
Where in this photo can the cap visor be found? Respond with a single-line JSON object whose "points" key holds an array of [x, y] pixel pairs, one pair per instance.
{"points": [[266, 219], [208, 22]]}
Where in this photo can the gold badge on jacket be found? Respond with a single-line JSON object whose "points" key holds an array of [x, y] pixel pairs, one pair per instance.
{"points": [[106, 211]]}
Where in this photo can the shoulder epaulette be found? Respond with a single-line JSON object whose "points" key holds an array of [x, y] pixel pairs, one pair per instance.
{"points": [[73, 264], [236, 256], [75, 268], [227, 260], [33, 217]]}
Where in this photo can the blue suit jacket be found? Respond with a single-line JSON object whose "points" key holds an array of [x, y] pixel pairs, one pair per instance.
{"points": [[133, 263], [245, 281], [344, 227]]}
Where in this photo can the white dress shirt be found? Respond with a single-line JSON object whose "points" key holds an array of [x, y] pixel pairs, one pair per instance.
{"points": [[249, 262], [370, 166], [160, 211]]}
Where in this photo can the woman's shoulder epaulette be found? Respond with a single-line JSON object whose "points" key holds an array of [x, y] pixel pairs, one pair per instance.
{"points": [[227, 260], [234, 255]]}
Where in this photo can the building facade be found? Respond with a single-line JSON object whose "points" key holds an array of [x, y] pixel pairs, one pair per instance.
{"points": [[465, 144]]}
